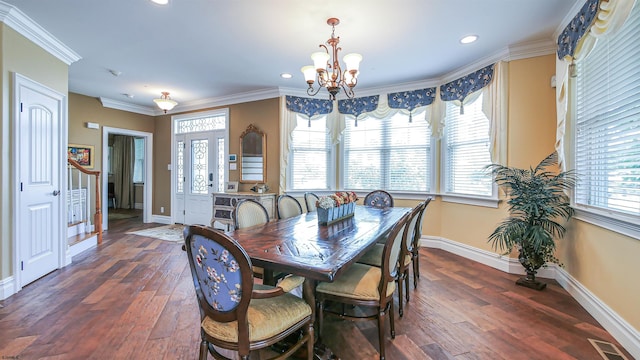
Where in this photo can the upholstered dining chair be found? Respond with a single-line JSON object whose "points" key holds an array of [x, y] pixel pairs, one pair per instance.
{"points": [[374, 255], [234, 314], [410, 248], [415, 248], [367, 286], [288, 206], [249, 212], [310, 199], [378, 198]]}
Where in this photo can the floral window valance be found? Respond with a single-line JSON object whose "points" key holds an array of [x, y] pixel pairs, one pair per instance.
{"points": [[309, 107], [460, 88], [411, 99], [358, 106], [578, 26]]}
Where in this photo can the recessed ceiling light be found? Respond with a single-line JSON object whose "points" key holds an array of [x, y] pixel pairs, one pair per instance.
{"points": [[286, 76], [161, 2], [468, 39]]}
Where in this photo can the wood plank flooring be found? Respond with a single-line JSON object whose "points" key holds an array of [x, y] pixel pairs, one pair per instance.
{"points": [[133, 298]]}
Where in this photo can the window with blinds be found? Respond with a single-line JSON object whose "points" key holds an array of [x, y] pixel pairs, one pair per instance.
{"points": [[607, 125], [392, 154], [310, 157], [466, 151]]}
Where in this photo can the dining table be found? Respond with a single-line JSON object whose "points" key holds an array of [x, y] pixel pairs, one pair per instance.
{"points": [[301, 246]]}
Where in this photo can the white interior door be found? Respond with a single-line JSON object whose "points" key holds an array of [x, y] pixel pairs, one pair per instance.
{"points": [[39, 170], [197, 166]]}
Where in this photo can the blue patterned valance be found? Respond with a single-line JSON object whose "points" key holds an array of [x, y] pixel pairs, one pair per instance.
{"points": [[459, 89], [358, 106], [309, 107], [411, 99], [578, 26]]}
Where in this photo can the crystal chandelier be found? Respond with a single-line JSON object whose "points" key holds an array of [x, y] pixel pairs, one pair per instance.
{"points": [[165, 102], [326, 68]]}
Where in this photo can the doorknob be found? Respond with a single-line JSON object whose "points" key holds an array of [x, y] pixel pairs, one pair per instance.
{"points": [[56, 192]]}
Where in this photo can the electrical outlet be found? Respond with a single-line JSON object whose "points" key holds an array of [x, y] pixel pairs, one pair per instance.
{"points": [[161, 209]]}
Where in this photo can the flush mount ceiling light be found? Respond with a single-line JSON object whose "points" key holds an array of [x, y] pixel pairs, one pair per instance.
{"points": [[326, 68], [469, 39], [165, 102], [160, 2]]}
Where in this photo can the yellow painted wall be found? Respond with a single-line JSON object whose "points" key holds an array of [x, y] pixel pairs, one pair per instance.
{"points": [[264, 114], [24, 57]]}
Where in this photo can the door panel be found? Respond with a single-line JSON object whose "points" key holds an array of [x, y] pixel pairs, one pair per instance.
{"points": [[39, 198]]}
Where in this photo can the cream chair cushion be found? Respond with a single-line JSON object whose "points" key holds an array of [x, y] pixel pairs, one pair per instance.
{"points": [[359, 282], [266, 317]]}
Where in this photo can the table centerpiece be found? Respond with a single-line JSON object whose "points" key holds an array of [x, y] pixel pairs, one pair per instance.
{"points": [[336, 207]]}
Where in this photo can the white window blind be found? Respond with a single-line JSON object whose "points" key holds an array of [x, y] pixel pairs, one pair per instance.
{"points": [[466, 150], [392, 154], [608, 122], [138, 163], [310, 156]]}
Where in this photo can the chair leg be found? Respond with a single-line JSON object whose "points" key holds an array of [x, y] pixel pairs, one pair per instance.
{"points": [[381, 331], [416, 270], [320, 319], [204, 349], [392, 323], [400, 307], [310, 341], [406, 283]]}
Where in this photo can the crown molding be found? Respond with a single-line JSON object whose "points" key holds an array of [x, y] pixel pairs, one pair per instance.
{"points": [[124, 106], [256, 95], [25, 26], [575, 9]]}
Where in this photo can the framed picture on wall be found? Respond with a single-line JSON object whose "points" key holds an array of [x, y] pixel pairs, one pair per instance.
{"points": [[82, 154]]}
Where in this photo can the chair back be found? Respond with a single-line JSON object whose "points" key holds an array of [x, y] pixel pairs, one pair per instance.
{"points": [[221, 272], [379, 199], [288, 207], [310, 199], [249, 212], [417, 233], [391, 253], [408, 236]]}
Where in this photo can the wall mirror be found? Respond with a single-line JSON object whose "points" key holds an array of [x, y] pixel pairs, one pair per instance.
{"points": [[253, 151]]}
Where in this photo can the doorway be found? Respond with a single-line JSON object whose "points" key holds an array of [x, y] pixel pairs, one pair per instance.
{"points": [[136, 193], [199, 152]]}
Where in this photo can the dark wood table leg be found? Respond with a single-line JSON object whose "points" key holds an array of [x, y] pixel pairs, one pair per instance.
{"points": [[320, 350]]}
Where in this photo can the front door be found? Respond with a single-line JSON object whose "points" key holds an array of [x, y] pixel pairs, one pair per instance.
{"points": [[39, 169], [197, 175]]}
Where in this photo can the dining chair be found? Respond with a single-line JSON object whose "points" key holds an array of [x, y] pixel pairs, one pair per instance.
{"points": [[378, 198], [288, 206], [364, 285], [415, 250], [373, 257], [410, 250], [234, 314], [310, 199], [249, 212]]}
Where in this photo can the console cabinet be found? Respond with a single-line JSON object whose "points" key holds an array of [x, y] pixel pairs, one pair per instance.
{"points": [[224, 203]]}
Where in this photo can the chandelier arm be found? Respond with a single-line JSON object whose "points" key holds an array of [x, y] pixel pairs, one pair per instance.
{"points": [[313, 92]]}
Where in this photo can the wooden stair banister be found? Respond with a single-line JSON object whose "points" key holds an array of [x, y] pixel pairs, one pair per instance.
{"points": [[98, 215]]}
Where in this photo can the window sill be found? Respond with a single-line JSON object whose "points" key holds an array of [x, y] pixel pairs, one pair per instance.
{"points": [[471, 200], [621, 224]]}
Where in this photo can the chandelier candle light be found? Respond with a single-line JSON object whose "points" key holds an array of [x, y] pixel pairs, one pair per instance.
{"points": [[327, 68], [165, 102]]}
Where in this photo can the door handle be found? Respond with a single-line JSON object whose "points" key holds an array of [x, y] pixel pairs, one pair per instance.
{"points": [[56, 192]]}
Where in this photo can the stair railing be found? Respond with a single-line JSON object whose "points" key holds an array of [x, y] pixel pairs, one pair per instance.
{"points": [[79, 198]]}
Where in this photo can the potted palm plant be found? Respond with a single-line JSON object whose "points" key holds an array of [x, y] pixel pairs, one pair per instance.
{"points": [[538, 202]]}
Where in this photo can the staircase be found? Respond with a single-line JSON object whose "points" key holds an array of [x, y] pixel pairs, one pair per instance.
{"points": [[84, 222]]}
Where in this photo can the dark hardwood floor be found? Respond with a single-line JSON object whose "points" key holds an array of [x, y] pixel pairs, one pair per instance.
{"points": [[133, 298]]}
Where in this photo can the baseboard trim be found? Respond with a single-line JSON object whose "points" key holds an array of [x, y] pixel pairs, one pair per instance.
{"points": [[161, 219], [7, 287], [621, 330]]}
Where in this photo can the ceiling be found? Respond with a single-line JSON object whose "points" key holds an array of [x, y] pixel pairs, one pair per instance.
{"points": [[202, 51]]}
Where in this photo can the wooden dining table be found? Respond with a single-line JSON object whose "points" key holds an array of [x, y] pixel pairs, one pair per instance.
{"points": [[300, 246]]}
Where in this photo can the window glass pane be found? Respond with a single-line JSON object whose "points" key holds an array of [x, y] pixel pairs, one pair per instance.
{"points": [[390, 153], [467, 150], [180, 167], [199, 166], [310, 156], [138, 163], [221, 161], [608, 122], [200, 124]]}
